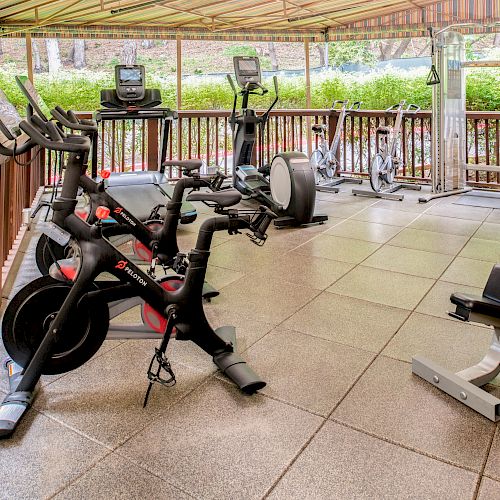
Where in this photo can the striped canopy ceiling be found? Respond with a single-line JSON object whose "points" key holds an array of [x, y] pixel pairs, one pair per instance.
{"points": [[288, 20]]}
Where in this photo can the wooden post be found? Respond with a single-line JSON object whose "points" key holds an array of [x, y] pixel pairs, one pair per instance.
{"points": [[29, 56], [179, 95], [308, 96]]}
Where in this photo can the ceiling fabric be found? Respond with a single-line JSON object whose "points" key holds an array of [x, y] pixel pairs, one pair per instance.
{"points": [[257, 20]]}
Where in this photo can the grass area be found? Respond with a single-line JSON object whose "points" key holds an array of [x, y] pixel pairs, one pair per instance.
{"points": [[80, 90]]}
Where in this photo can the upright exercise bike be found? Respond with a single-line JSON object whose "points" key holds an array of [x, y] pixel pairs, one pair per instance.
{"points": [[324, 158], [55, 325], [290, 189]]}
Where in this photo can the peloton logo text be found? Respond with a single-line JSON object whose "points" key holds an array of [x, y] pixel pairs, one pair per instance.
{"points": [[122, 264], [124, 215]]}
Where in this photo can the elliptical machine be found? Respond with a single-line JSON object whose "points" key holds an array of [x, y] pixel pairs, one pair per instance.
{"points": [[290, 191]]}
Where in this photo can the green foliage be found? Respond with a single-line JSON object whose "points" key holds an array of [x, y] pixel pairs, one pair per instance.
{"points": [[355, 51], [239, 50], [81, 91]]}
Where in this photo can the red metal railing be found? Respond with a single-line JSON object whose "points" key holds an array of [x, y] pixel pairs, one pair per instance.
{"points": [[19, 183], [207, 135]]}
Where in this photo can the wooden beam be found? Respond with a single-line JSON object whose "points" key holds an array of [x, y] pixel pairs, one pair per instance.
{"points": [[179, 95], [481, 64], [308, 96], [29, 56]]}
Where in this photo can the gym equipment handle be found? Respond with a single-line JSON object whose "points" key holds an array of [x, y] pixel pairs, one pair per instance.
{"points": [[75, 144], [70, 120]]}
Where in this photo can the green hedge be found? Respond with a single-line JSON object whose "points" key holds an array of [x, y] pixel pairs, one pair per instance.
{"points": [[80, 90]]}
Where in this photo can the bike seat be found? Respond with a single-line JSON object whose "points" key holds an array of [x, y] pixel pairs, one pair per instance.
{"points": [[184, 164], [318, 128], [383, 130], [225, 198], [467, 304]]}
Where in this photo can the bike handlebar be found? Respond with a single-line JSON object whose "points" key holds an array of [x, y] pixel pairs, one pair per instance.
{"points": [[56, 142], [69, 120]]}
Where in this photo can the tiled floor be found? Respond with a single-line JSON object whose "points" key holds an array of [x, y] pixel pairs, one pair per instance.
{"points": [[330, 316]]}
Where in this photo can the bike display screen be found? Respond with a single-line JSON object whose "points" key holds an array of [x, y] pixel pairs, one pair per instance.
{"points": [[38, 104], [128, 75], [9, 116]]}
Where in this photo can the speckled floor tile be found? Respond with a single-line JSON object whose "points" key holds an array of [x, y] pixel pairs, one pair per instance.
{"points": [[479, 249], [42, 457], [409, 261], [218, 443], [218, 277], [493, 465], [488, 231], [103, 398], [454, 345], [365, 231], [342, 210], [335, 248], [383, 287], [489, 490], [468, 272], [242, 255], [248, 329], [341, 463], [429, 241], [406, 206], [117, 478], [271, 301], [437, 301], [343, 320], [385, 216], [494, 216], [448, 209], [306, 271], [445, 225], [310, 372], [392, 403]]}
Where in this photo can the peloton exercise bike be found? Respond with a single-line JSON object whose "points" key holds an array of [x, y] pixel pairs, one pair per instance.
{"points": [[140, 197], [54, 325], [324, 158], [290, 189]]}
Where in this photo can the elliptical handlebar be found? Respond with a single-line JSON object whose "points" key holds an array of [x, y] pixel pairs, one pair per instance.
{"points": [[396, 107], [356, 106]]}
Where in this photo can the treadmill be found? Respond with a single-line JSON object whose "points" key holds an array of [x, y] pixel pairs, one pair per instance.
{"points": [[140, 191]]}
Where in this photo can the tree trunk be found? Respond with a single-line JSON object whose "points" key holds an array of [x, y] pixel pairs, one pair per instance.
{"points": [[147, 44], [1, 48], [401, 49], [272, 55], [37, 62], [79, 53], [321, 50], [129, 52], [53, 55]]}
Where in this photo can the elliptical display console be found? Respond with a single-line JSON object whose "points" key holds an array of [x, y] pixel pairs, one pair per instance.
{"points": [[290, 188]]}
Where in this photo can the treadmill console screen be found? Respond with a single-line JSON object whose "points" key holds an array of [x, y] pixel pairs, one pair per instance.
{"points": [[130, 82], [130, 75], [247, 70], [37, 103]]}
